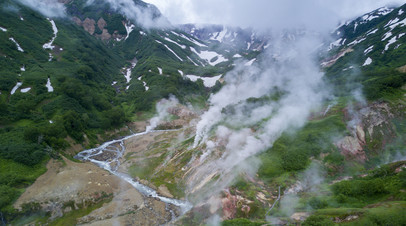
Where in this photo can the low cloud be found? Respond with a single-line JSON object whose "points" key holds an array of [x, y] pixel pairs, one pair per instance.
{"points": [[147, 17], [312, 14], [48, 8]]}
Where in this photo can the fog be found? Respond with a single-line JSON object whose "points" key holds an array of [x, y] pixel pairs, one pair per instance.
{"points": [[48, 8], [147, 17], [314, 14]]}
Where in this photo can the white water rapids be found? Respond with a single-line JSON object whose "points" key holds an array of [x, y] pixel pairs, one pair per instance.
{"points": [[117, 148]]}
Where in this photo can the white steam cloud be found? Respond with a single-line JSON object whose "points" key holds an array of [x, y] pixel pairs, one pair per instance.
{"points": [[289, 83], [309, 181], [48, 8], [146, 17], [162, 112]]}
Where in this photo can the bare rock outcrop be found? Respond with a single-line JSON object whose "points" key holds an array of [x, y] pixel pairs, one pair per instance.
{"points": [[372, 128]]}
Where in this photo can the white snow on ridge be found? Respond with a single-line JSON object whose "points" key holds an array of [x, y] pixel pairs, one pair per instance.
{"points": [[129, 29], [25, 90], [368, 17], [3, 29], [169, 50], [209, 55], [237, 55], [180, 72], [170, 40], [400, 12], [207, 81], [368, 61], [55, 29], [16, 87], [49, 86], [18, 45], [384, 11], [368, 50], [142, 33]]}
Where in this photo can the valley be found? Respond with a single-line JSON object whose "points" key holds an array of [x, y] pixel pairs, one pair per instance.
{"points": [[111, 115]]}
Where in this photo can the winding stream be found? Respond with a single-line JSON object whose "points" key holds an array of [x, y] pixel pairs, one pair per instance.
{"points": [[107, 156]]}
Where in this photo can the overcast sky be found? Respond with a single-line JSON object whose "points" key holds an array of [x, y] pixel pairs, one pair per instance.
{"points": [[267, 13]]}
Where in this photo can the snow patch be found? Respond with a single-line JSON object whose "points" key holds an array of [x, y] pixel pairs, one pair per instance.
{"points": [[384, 11], [355, 26], [18, 45], [368, 17], [3, 29], [192, 61], [180, 72], [16, 87], [237, 56], [400, 12], [368, 50], [127, 72], [207, 81], [49, 86], [209, 55], [22, 68], [143, 33], [189, 39], [55, 29], [160, 70], [170, 40], [372, 32], [395, 22], [390, 42], [129, 29], [355, 42], [221, 35], [169, 50], [143, 83], [386, 35], [249, 63], [113, 83], [25, 90], [335, 44], [368, 61]]}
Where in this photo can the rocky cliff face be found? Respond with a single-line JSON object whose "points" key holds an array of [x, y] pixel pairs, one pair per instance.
{"points": [[371, 129]]}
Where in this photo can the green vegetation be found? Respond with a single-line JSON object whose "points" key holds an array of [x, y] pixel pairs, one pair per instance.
{"points": [[291, 152]]}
